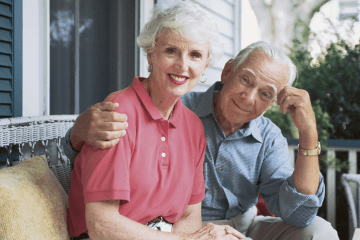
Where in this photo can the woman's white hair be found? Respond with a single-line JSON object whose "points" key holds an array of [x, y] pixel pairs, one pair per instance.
{"points": [[184, 18], [273, 52]]}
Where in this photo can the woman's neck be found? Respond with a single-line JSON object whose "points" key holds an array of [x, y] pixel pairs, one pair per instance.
{"points": [[163, 102]]}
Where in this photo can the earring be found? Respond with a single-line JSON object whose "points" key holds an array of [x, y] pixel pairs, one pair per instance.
{"points": [[150, 68], [205, 79]]}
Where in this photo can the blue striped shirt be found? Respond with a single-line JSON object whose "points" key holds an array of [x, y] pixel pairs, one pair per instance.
{"points": [[252, 160]]}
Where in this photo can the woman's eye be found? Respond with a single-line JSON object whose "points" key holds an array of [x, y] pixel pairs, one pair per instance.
{"points": [[170, 50], [196, 55]]}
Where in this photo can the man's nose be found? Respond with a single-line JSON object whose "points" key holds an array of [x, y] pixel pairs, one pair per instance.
{"points": [[249, 96]]}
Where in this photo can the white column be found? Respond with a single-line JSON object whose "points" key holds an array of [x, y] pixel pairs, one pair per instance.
{"points": [[145, 14], [353, 170], [331, 190], [44, 48], [292, 156], [352, 161]]}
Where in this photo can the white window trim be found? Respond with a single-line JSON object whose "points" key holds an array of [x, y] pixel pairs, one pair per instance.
{"points": [[145, 13], [36, 58]]}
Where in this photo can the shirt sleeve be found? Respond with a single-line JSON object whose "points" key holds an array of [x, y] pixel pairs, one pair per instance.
{"points": [[105, 173], [278, 189], [198, 191], [70, 152]]}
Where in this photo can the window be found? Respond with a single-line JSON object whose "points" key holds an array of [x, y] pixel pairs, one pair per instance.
{"points": [[92, 52]]}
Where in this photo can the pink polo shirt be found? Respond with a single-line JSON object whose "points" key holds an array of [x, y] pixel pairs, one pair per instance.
{"points": [[156, 169]]}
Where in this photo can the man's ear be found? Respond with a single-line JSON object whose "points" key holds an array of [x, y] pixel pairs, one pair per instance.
{"points": [[227, 70]]}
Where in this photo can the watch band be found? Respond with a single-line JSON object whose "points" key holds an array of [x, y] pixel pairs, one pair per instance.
{"points": [[312, 152]]}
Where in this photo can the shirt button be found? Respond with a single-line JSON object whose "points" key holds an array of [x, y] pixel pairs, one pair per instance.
{"points": [[163, 154], [225, 141], [163, 139], [220, 168]]}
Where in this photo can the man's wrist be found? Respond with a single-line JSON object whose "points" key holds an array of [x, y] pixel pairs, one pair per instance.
{"points": [[308, 139], [75, 141], [70, 152], [310, 152]]}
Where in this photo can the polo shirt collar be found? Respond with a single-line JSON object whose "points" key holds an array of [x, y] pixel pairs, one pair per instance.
{"points": [[150, 106], [204, 109]]}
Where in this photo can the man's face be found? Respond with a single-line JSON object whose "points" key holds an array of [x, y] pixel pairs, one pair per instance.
{"points": [[252, 89]]}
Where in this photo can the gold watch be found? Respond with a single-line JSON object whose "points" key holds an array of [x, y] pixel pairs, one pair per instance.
{"points": [[312, 152]]}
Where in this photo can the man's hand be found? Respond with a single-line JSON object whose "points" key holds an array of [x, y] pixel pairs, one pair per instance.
{"points": [[99, 126], [306, 173], [297, 102]]}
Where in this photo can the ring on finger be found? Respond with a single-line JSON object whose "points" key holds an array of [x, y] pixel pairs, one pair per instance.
{"points": [[227, 230]]}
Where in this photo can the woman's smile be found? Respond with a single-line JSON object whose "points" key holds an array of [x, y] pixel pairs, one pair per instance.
{"points": [[179, 80]]}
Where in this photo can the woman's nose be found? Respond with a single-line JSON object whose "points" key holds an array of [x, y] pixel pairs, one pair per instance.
{"points": [[182, 63]]}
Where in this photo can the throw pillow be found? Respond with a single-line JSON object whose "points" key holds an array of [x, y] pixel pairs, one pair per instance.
{"points": [[32, 202]]}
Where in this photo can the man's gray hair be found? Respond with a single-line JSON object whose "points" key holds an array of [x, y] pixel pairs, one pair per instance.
{"points": [[184, 18], [273, 52]]}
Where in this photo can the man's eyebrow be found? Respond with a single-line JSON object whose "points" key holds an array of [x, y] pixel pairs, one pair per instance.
{"points": [[275, 90], [249, 70]]}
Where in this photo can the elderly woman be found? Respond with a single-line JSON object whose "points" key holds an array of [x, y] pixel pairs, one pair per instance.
{"points": [[154, 175]]}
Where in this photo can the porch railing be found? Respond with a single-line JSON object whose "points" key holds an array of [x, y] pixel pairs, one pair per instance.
{"points": [[350, 146]]}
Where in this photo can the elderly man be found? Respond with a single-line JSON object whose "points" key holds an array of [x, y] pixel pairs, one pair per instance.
{"points": [[246, 153]]}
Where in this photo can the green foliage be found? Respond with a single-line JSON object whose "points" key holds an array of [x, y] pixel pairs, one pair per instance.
{"points": [[288, 129], [305, 30], [284, 122], [336, 163], [333, 83], [324, 125]]}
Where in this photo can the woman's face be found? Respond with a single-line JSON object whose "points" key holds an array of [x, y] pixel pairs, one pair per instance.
{"points": [[178, 63]]}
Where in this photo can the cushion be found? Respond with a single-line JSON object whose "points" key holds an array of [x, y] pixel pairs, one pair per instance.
{"points": [[32, 202]]}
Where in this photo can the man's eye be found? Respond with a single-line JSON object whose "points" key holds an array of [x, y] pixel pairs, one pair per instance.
{"points": [[267, 95], [245, 80]]}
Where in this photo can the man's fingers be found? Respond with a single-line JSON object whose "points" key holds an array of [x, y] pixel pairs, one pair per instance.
{"points": [[99, 118], [114, 126], [108, 135], [284, 105], [106, 106], [119, 117], [114, 117]]}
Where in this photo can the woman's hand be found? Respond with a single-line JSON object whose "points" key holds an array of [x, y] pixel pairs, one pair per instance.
{"points": [[217, 232]]}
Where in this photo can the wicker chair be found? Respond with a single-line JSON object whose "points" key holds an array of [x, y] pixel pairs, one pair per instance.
{"points": [[38, 135], [354, 206]]}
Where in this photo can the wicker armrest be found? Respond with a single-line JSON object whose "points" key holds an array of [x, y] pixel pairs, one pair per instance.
{"points": [[41, 133]]}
